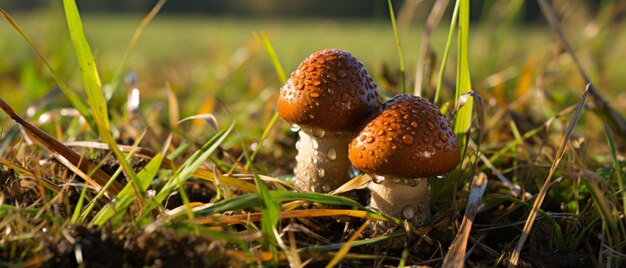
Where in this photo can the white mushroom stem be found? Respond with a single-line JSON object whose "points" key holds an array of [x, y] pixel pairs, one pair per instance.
{"points": [[402, 198], [322, 158]]}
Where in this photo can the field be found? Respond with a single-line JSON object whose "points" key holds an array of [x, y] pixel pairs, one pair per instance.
{"points": [[207, 90]]}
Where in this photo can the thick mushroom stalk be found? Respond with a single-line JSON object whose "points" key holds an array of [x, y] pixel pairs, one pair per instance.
{"points": [[406, 139], [402, 198], [327, 97], [322, 160]]}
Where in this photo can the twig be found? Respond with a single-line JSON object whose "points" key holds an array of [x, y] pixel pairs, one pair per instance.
{"points": [[456, 255], [600, 105]]}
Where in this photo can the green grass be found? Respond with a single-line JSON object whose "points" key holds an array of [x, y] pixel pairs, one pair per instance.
{"points": [[185, 181]]}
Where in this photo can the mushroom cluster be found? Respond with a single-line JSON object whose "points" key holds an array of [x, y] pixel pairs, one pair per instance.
{"points": [[326, 98], [403, 143], [333, 102]]}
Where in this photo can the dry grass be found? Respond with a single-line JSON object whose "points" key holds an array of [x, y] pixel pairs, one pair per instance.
{"points": [[551, 152]]}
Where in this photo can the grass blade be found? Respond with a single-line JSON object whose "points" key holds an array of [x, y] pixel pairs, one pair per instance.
{"points": [[97, 179], [270, 215], [87, 64], [347, 245], [187, 169], [79, 205], [446, 53], [290, 214], [125, 198], [255, 200], [544, 189], [73, 98], [282, 78], [95, 96], [463, 118], [400, 55], [355, 243], [617, 169], [269, 50]]}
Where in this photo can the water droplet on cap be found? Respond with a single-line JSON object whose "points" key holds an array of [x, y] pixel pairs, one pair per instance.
{"points": [[443, 137], [378, 179], [321, 172], [332, 154], [407, 139], [342, 74]]}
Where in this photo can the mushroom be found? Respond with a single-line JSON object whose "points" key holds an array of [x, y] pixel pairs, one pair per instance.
{"points": [[326, 98], [406, 141]]}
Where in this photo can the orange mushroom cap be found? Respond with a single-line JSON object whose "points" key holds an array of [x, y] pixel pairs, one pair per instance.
{"points": [[330, 90], [408, 137]]}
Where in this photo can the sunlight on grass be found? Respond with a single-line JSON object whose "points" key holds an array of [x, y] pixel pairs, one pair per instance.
{"points": [[80, 170]]}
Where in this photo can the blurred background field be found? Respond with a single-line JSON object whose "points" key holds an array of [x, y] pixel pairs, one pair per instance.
{"points": [[204, 55]]}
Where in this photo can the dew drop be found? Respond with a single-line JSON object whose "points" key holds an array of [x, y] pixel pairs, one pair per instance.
{"points": [[345, 97], [353, 172], [440, 177], [395, 180], [443, 137], [408, 212], [315, 145], [411, 182], [294, 128], [407, 139], [332, 154], [342, 74], [321, 172], [380, 132], [326, 188], [332, 77], [438, 145], [314, 95], [431, 126], [378, 179]]}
